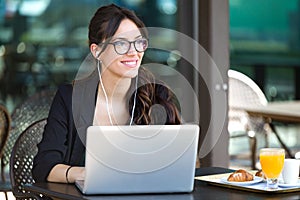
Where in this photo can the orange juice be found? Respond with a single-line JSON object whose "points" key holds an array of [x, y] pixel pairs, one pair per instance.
{"points": [[271, 161]]}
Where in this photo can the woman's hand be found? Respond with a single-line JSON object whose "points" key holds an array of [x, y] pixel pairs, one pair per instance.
{"points": [[60, 173]]}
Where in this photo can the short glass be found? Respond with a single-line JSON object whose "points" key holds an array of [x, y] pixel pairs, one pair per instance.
{"points": [[272, 161]]}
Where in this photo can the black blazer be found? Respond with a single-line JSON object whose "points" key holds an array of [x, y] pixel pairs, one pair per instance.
{"points": [[71, 113]]}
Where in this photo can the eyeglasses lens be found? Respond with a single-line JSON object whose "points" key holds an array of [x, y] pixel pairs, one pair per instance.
{"points": [[141, 45]]}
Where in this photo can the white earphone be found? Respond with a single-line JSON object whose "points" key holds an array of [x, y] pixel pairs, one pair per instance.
{"points": [[97, 54]]}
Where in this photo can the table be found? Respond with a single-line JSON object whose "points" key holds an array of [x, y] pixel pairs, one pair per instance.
{"points": [[284, 112], [202, 190]]}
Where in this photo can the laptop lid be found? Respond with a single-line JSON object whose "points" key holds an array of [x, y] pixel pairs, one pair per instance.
{"points": [[140, 159]]}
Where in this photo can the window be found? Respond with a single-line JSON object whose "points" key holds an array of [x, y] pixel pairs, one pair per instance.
{"points": [[265, 44]]}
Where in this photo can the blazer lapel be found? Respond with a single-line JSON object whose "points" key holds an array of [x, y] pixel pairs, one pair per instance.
{"points": [[84, 101]]}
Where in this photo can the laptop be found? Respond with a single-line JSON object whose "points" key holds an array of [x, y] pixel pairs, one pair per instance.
{"points": [[140, 159]]}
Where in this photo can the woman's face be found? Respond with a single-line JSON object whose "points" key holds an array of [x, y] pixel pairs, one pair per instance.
{"points": [[126, 65]]}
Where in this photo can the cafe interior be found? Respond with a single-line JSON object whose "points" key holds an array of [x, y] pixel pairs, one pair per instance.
{"points": [[239, 58]]}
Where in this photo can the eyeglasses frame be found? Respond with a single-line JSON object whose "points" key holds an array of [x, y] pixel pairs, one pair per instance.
{"points": [[130, 42]]}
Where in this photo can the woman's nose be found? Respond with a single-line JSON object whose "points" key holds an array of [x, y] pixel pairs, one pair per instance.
{"points": [[132, 50]]}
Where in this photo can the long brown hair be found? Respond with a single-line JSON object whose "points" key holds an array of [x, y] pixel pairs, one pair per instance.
{"points": [[150, 92]]}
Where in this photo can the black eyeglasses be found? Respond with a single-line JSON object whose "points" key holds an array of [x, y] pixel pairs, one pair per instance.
{"points": [[123, 46]]}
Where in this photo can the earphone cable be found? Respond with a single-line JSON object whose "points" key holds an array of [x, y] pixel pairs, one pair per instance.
{"points": [[105, 95], [134, 101], [106, 98]]}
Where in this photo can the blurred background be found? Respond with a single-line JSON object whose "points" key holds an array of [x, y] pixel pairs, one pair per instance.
{"points": [[43, 42]]}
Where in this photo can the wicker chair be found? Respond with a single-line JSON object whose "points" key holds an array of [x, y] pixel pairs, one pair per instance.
{"points": [[34, 108], [4, 132], [243, 92], [21, 160]]}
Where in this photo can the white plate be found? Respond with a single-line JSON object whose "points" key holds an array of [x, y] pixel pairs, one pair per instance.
{"points": [[256, 179], [285, 185]]}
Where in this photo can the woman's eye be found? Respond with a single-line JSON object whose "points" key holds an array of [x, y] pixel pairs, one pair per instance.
{"points": [[120, 43]]}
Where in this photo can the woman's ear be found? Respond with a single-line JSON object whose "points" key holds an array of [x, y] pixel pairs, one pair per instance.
{"points": [[95, 50]]}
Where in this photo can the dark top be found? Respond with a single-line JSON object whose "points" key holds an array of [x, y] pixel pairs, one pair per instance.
{"points": [[71, 113], [62, 143]]}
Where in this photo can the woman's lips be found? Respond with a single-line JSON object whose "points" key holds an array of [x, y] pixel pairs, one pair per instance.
{"points": [[130, 63]]}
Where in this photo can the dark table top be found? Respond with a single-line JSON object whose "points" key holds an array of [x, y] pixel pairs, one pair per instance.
{"points": [[202, 190]]}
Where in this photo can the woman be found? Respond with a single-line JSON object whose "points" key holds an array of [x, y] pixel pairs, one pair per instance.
{"points": [[118, 92]]}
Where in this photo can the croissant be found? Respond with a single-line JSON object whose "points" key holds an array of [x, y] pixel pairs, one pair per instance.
{"points": [[260, 173], [240, 176]]}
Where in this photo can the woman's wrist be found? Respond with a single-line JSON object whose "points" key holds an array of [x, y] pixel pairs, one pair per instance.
{"points": [[74, 173], [67, 174]]}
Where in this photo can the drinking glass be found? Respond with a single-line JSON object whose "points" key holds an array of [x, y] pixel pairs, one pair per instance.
{"points": [[272, 161]]}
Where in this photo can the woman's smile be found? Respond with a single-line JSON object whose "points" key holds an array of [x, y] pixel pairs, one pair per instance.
{"points": [[132, 63]]}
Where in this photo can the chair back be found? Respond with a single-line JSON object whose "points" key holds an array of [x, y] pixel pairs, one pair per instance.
{"points": [[21, 160], [5, 122], [34, 108], [4, 126], [243, 93]]}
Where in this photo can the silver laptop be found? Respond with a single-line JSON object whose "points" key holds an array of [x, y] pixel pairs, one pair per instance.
{"points": [[140, 159]]}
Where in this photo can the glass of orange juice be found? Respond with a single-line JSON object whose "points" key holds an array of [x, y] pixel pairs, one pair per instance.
{"points": [[272, 160]]}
